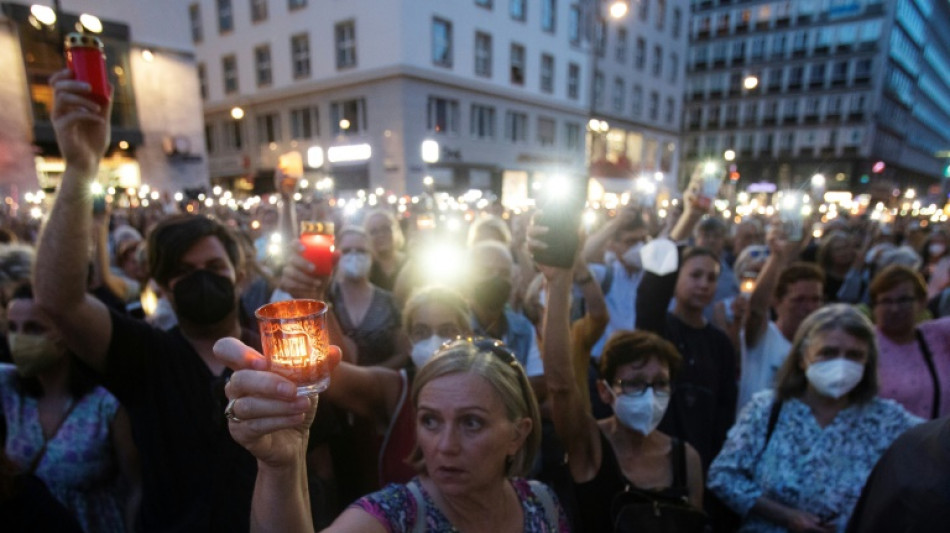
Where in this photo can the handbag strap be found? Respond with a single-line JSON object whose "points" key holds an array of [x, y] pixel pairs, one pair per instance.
{"points": [[419, 525], [929, 359], [774, 411], [679, 463], [551, 516]]}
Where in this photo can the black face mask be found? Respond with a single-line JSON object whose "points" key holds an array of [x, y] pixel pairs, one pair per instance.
{"points": [[492, 293], [203, 297]]}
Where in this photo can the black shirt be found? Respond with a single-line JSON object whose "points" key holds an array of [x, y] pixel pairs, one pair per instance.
{"points": [[909, 488], [703, 405], [31, 508], [194, 476]]}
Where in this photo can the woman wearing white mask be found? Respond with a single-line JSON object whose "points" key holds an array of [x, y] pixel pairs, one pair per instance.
{"points": [[623, 454], [434, 316], [797, 457], [368, 315]]}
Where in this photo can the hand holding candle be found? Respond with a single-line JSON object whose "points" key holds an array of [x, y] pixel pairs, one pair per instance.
{"points": [[295, 342]]}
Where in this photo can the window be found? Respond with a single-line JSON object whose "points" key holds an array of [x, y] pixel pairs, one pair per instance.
{"points": [[262, 65], [258, 10], [442, 115], [791, 109], [817, 76], [670, 111], [572, 136], [574, 25], [637, 99], [657, 60], [598, 88], [660, 14], [639, 56], [787, 141], [644, 10], [546, 131], [751, 113], [549, 15], [296, 4], [758, 49], [210, 143], [345, 34], [800, 42], [547, 73], [442, 42], [516, 126], [230, 74], [796, 76], [621, 50], [484, 3], [483, 54], [348, 117], [482, 123], [517, 64], [304, 123], [233, 136], [674, 66], [516, 8], [573, 81], [225, 16], [600, 38], [676, 22], [778, 45], [203, 81], [620, 92], [300, 55], [268, 128], [654, 104], [194, 19]]}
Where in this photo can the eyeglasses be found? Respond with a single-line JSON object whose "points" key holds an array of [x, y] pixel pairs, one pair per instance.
{"points": [[446, 331], [638, 388], [488, 344], [903, 301]]}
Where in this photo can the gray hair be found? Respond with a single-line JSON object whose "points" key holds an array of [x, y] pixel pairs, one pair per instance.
{"points": [[903, 255], [16, 262]]}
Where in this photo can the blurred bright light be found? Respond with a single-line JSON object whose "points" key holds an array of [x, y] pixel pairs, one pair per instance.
{"points": [[44, 14], [352, 152], [91, 22], [95, 187], [315, 157], [750, 82], [618, 9], [148, 56], [430, 151], [729, 155], [237, 113]]}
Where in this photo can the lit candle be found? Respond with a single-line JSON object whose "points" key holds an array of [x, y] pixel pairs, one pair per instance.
{"points": [[317, 240], [295, 342]]}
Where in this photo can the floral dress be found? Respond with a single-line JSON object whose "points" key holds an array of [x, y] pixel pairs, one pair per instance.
{"points": [[395, 508], [803, 466], [79, 466]]}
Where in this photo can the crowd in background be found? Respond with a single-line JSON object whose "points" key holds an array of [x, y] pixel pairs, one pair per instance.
{"points": [[740, 377]]}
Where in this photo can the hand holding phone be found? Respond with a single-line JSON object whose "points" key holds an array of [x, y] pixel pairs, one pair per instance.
{"points": [[561, 205]]}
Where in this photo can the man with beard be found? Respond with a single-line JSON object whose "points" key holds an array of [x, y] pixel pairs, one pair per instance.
{"points": [[195, 478], [488, 292]]}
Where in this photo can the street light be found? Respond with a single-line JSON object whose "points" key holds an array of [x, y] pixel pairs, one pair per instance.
{"points": [[237, 113], [729, 155], [618, 9], [750, 82]]}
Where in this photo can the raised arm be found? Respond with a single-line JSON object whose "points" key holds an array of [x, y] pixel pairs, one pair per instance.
{"points": [[572, 421], [82, 132], [781, 253]]}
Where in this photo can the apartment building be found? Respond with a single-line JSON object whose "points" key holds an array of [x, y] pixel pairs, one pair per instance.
{"points": [[504, 88], [854, 90], [157, 122]]}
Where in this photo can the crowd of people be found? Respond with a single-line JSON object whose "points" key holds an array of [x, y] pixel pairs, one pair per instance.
{"points": [[702, 375]]}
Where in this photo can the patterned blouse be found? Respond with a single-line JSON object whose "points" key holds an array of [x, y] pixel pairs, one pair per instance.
{"points": [[395, 508], [806, 467], [79, 465]]}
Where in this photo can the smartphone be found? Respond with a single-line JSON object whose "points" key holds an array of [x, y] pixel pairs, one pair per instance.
{"points": [[747, 282], [98, 204], [792, 211], [86, 59], [561, 208]]}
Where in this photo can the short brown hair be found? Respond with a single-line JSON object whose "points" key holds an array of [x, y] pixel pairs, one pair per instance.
{"points": [[893, 276], [624, 347], [175, 235], [798, 271]]}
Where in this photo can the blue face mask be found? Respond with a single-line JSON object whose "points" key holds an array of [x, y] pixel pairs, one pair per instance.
{"points": [[640, 413]]}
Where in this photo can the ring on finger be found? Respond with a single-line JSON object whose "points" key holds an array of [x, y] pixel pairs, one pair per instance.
{"points": [[229, 412]]}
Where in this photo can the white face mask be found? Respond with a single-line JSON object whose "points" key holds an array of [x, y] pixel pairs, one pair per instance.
{"points": [[836, 377], [423, 350], [936, 249], [355, 265], [640, 413], [632, 257]]}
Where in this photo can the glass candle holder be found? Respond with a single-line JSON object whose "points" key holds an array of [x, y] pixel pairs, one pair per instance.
{"points": [[295, 342], [317, 241]]}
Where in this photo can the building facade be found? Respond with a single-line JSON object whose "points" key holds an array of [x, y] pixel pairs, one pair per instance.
{"points": [[504, 87], [157, 124], [854, 90]]}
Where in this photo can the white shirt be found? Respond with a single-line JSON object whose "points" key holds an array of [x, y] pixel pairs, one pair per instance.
{"points": [[621, 300], [761, 362]]}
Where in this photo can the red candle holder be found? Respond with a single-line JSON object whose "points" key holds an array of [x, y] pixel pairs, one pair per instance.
{"points": [[317, 241], [85, 57], [295, 342]]}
